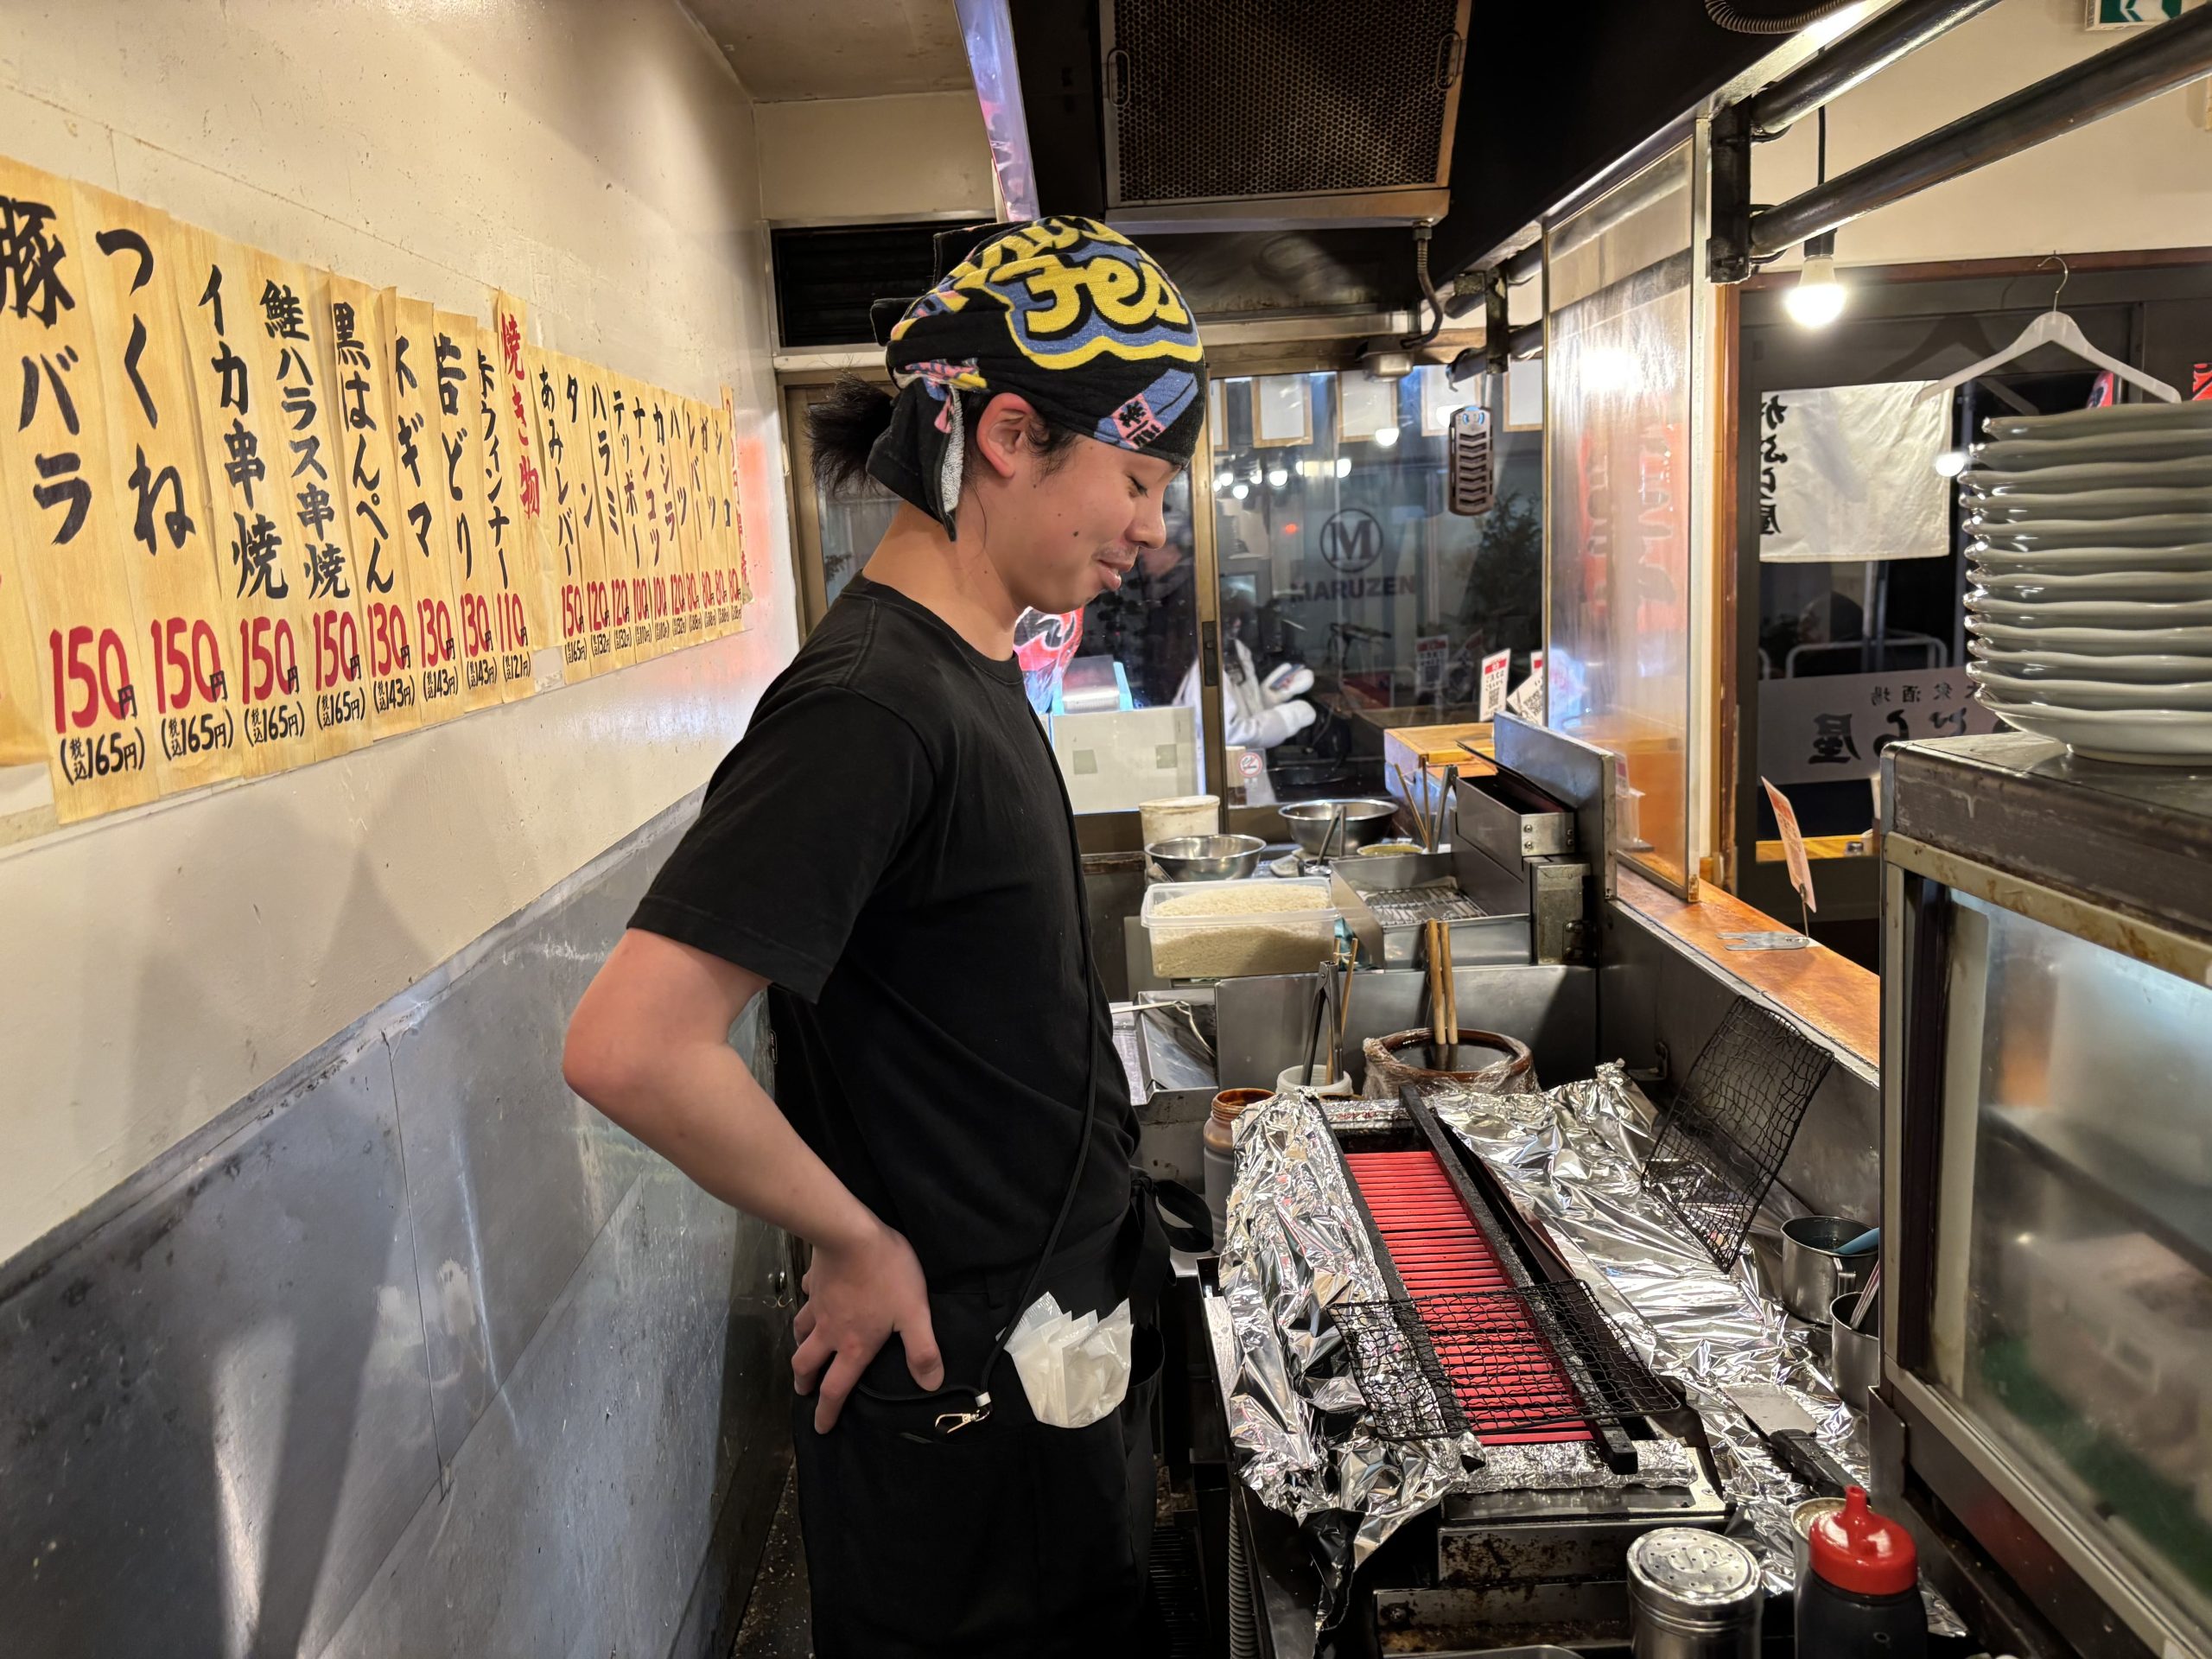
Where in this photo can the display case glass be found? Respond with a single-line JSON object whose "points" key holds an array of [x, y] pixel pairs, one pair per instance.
{"points": [[2048, 1165]]}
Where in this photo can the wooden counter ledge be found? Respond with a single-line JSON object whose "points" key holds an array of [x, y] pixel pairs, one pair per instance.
{"points": [[1831, 994]]}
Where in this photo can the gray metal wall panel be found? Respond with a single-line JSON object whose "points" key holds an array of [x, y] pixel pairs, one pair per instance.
{"points": [[225, 1391], [575, 1513], [216, 1418], [513, 1175]]}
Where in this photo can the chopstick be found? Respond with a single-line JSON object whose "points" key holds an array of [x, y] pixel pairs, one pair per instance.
{"points": [[1440, 986], [1866, 1294]]}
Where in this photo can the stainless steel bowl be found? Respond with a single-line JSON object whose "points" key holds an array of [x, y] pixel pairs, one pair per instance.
{"points": [[1207, 858], [1313, 822]]}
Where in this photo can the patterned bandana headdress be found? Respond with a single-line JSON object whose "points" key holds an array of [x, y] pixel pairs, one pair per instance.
{"points": [[1068, 314]]}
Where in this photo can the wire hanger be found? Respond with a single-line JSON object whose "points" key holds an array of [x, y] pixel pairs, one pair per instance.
{"points": [[2053, 328]]}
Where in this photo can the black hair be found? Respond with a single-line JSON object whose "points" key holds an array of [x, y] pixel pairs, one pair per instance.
{"points": [[844, 426]]}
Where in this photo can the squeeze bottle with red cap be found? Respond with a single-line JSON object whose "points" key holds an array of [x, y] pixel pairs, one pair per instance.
{"points": [[1862, 1596]]}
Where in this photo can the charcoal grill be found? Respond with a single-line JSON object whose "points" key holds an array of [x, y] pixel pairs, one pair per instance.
{"points": [[1485, 1331]]}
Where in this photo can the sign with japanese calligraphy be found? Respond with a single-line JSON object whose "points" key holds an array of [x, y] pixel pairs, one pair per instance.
{"points": [[522, 461], [66, 516], [554, 391], [423, 507], [172, 558], [1848, 472], [1793, 843], [357, 370], [1835, 725], [261, 514], [507, 546], [294, 313], [1497, 668], [460, 462]]}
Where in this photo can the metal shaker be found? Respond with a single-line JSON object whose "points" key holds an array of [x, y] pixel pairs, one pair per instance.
{"points": [[1693, 1595]]}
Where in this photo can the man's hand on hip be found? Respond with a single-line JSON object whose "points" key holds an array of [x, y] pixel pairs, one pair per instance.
{"points": [[858, 1292]]}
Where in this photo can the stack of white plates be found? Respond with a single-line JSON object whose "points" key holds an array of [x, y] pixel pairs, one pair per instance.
{"points": [[2091, 615]]}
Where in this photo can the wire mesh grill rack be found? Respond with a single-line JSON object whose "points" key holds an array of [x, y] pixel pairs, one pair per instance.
{"points": [[1409, 906], [1508, 1365], [1723, 1139]]}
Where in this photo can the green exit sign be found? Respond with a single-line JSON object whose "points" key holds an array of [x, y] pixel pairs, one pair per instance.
{"points": [[2126, 14]]}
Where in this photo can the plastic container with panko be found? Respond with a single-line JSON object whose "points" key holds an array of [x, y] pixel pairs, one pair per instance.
{"points": [[1224, 930]]}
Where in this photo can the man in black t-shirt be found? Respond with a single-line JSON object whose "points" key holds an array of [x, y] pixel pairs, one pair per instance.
{"points": [[889, 853]]}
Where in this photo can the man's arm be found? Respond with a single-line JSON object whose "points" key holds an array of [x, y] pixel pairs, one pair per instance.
{"points": [[649, 1046]]}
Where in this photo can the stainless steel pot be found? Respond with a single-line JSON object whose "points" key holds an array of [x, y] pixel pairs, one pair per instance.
{"points": [[1813, 1275]]}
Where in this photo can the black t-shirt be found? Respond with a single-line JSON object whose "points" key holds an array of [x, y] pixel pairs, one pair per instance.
{"points": [[890, 846]]}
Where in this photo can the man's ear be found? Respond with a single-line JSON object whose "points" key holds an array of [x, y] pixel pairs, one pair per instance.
{"points": [[1006, 432]]}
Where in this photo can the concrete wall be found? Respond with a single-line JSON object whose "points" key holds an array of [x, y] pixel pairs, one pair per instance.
{"points": [[2139, 179], [905, 158], [597, 158]]}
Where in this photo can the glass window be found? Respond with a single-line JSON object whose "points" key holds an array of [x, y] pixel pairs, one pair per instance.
{"points": [[2072, 1313], [1617, 374], [1112, 679], [1338, 556]]}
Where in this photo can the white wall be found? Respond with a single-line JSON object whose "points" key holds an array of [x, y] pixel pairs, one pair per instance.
{"points": [[2139, 179], [827, 159], [596, 158]]}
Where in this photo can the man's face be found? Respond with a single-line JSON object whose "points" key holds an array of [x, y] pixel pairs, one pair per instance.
{"points": [[1061, 534]]}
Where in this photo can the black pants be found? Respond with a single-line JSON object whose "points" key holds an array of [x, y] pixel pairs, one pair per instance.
{"points": [[1007, 1538]]}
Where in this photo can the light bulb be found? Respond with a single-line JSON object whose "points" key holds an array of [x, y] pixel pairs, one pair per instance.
{"points": [[1386, 436], [1279, 477], [1223, 480], [1240, 491], [1343, 465], [1951, 463], [1817, 301]]}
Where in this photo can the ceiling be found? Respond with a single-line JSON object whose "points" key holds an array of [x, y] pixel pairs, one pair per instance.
{"points": [[854, 48]]}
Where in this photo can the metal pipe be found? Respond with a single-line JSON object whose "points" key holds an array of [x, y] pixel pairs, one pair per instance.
{"points": [[1528, 340], [2158, 60], [1859, 55], [1524, 264]]}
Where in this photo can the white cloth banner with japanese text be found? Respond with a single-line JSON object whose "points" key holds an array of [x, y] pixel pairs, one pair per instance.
{"points": [[1848, 472]]}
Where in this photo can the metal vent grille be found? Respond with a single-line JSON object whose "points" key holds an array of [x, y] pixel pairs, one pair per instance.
{"points": [[1278, 98]]}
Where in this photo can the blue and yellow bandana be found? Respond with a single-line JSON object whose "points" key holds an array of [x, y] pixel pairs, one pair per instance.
{"points": [[1070, 316]]}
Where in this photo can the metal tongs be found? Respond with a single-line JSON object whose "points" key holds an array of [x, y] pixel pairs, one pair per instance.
{"points": [[1332, 995]]}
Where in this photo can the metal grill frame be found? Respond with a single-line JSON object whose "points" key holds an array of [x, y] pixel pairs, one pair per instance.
{"points": [[1408, 907], [1403, 1352], [1722, 1139], [1217, 104]]}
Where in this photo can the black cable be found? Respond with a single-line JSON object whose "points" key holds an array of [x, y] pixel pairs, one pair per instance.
{"points": [[1735, 20]]}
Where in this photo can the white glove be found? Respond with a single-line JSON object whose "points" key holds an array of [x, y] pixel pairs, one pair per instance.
{"points": [[1299, 714], [1288, 681]]}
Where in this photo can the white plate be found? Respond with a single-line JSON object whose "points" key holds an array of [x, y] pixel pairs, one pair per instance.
{"points": [[2130, 444], [2060, 560], [2002, 692], [2160, 529], [2148, 615], [2176, 737], [2192, 472], [2093, 642], [2033, 666], [2091, 423], [2033, 586], [2085, 504]]}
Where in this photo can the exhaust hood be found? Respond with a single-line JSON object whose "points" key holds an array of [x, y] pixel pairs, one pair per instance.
{"points": [[1234, 114]]}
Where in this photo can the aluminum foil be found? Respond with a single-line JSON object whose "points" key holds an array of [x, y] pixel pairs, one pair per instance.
{"points": [[1294, 1246], [1571, 1158]]}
